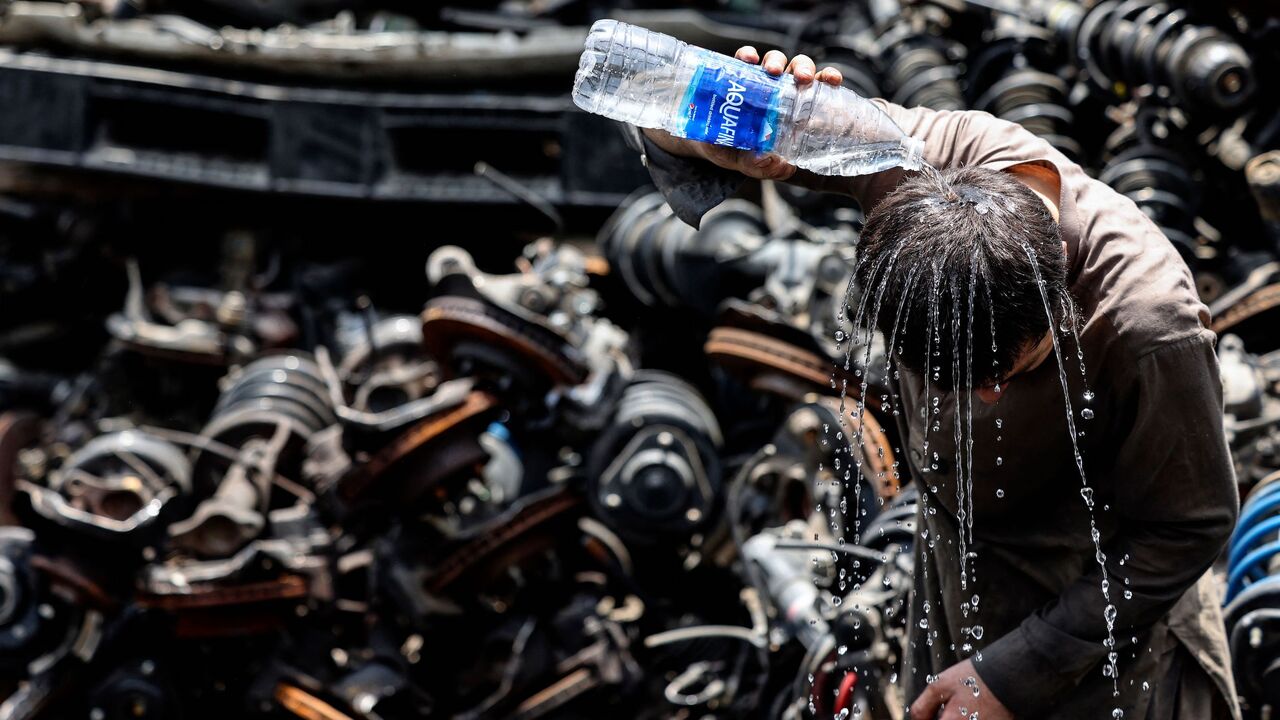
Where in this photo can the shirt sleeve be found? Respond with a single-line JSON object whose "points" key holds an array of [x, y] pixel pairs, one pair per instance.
{"points": [[951, 138], [691, 187], [1176, 499]]}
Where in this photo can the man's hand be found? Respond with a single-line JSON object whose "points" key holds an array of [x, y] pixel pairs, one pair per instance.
{"points": [[764, 167], [962, 693]]}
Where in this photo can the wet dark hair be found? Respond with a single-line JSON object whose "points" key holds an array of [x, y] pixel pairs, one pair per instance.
{"points": [[947, 241]]}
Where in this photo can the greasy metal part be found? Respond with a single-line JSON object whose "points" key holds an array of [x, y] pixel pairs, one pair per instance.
{"points": [[1145, 167], [305, 705], [225, 522], [654, 473], [17, 431], [1263, 175], [449, 434], [114, 487], [385, 368], [916, 64], [461, 327], [187, 339], [332, 51], [1124, 45], [1015, 76], [546, 532], [526, 519]]}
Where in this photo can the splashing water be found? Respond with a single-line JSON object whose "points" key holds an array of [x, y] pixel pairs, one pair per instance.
{"points": [[1109, 613]]}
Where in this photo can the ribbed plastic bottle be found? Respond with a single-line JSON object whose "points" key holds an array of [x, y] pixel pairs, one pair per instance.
{"points": [[637, 76]]}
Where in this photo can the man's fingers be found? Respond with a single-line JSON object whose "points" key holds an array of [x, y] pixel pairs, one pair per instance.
{"points": [[803, 68], [775, 62], [748, 54], [831, 76], [926, 706]]}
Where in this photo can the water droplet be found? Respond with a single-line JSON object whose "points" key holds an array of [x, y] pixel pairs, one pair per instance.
{"points": [[999, 460], [1128, 594], [999, 423], [1117, 714], [1088, 396], [839, 335], [999, 492], [924, 623], [976, 632], [1109, 614], [1087, 413]]}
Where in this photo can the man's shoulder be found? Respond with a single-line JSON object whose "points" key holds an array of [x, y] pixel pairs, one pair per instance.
{"points": [[1131, 278]]}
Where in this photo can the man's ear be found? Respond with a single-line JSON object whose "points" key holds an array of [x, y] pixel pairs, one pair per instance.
{"points": [[1042, 181]]}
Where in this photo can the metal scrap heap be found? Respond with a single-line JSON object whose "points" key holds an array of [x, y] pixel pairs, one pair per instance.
{"points": [[348, 371]]}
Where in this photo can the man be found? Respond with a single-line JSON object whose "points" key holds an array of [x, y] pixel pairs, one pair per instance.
{"points": [[1013, 235]]}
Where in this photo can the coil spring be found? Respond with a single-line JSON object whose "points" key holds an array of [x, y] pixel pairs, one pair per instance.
{"points": [[1251, 600], [919, 71], [1009, 79], [666, 263], [656, 469], [1255, 544], [271, 391], [1144, 168], [1136, 42], [859, 75]]}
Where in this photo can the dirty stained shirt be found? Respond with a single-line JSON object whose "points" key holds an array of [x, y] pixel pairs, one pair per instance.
{"points": [[1154, 454]]}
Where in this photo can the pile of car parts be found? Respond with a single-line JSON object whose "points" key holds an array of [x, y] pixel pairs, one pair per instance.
{"points": [[350, 372]]}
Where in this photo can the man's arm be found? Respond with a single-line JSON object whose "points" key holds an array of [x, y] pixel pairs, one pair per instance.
{"points": [[952, 138]]}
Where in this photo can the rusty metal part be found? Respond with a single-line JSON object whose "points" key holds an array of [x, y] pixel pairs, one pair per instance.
{"points": [[232, 609], [1258, 302], [305, 705], [557, 694], [17, 431], [1263, 174], [432, 433], [877, 452], [64, 573], [772, 365], [525, 522], [286, 587], [448, 322]]}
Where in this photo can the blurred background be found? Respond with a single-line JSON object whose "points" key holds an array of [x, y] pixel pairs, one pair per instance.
{"points": [[347, 370]]}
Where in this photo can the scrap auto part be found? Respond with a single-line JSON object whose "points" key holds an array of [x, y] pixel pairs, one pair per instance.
{"points": [[115, 486], [1252, 599], [527, 334], [260, 428], [252, 591], [667, 264], [919, 67], [1130, 43], [384, 366], [327, 50], [446, 441], [1144, 168], [20, 615], [199, 325], [654, 472], [1015, 76]]}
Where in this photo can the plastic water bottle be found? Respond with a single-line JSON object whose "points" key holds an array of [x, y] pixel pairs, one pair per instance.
{"points": [[637, 76]]}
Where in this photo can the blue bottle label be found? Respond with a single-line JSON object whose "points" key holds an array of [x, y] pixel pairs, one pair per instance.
{"points": [[732, 105]]}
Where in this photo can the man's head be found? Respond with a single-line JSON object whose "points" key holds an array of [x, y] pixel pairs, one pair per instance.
{"points": [[959, 251]]}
